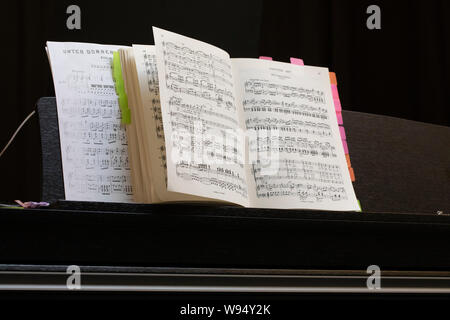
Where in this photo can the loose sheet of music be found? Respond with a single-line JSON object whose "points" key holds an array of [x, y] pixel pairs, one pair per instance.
{"points": [[93, 143], [252, 132]]}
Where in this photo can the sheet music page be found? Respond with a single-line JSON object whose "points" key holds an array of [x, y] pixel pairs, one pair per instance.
{"points": [[296, 157], [93, 143], [205, 154], [150, 115]]}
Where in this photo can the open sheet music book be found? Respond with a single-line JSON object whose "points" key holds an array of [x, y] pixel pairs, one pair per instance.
{"points": [[204, 127]]}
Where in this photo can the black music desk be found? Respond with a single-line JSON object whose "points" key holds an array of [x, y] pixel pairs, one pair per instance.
{"points": [[223, 249], [402, 179]]}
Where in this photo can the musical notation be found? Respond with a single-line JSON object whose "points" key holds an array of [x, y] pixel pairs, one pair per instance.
{"points": [[90, 158], [90, 108], [101, 185], [152, 81], [209, 65], [289, 126], [311, 171], [196, 110], [225, 179], [270, 89], [293, 145], [286, 108], [198, 74], [303, 192]]}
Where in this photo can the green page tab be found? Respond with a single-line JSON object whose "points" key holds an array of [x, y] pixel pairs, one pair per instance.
{"points": [[120, 89]]}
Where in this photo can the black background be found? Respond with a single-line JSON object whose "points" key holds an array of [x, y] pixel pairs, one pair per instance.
{"points": [[401, 70]]}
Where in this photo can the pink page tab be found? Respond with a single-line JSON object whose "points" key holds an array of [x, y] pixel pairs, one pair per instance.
{"points": [[339, 118], [337, 105], [344, 143], [334, 91], [297, 61], [266, 58], [342, 132]]}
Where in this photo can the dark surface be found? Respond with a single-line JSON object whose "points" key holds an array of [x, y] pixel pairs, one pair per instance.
{"points": [[400, 165], [225, 237], [52, 174]]}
